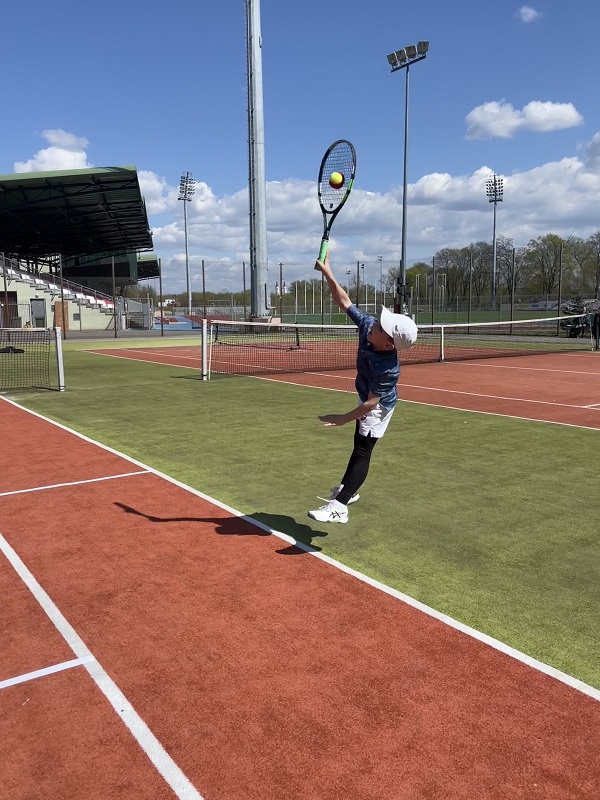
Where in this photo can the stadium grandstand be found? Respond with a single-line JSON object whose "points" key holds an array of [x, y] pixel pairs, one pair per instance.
{"points": [[69, 242]]}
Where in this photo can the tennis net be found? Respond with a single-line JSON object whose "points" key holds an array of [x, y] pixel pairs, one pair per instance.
{"points": [[250, 348], [26, 360]]}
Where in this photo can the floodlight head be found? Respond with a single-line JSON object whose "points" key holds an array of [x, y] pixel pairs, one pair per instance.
{"points": [[411, 51], [422, 48], [401, 55], [392, 60]]}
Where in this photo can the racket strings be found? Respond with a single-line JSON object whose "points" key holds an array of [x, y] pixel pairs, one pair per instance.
{"points": [[340, 159]]}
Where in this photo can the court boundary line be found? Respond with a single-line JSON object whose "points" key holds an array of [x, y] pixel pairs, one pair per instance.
{"points": [[171, 773], [490, 641], [473, 363], [431, 405], [140, 360], [492, 396], [470, 394], [73, 483], [41, 673]]}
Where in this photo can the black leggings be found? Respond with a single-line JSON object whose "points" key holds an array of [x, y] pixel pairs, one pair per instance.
{"points": [[358, 465]]}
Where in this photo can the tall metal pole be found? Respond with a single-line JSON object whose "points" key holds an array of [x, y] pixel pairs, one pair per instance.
{"points": [[204, 290], [162, 302], [470, 284], [256, 163], [433, 290], [114, 293], [62, 297], [281, 291], [560, 281], [402, 59], [5, 323], [322, 299], [402, 286], [188, 281], [513, 284], [494, 188], [187, 187], [494, 253]]}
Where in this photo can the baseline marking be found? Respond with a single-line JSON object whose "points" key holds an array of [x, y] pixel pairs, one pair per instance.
{"points": [[75, 483], [168, 769], [40, 673], [496, 644]]}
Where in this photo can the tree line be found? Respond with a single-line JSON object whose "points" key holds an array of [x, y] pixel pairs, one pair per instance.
{"points": [[545, 267]]}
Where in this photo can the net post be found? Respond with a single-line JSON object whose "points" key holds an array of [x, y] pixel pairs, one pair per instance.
{"points": [[59, 359], [442, 343], [204, 360]]}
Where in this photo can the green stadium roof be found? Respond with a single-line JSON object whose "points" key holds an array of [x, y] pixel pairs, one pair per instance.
{"points": [[73, 212]]}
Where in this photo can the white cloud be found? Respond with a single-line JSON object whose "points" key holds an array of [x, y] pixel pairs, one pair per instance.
{"points": [[528, 14], [444, 210], [66, 151], [65, 140], [500, 119]]}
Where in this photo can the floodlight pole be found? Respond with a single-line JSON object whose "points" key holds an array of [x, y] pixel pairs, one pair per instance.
{"points": [[187, 187], [494, 188], [403, 59], [257, 190]]}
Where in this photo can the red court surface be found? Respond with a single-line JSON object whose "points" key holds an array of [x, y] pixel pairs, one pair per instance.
{"points": [[263, 671], [562, 388]]}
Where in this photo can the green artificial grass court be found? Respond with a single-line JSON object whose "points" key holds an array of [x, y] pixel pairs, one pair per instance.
{"points": [[490, 520]]}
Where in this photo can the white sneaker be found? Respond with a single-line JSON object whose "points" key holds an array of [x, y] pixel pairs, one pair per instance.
{"points": [[330, 512], [337, 489]]}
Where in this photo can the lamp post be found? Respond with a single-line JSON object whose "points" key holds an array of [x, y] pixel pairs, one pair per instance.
{"points": [[403, 59], [348, 273], [187, 187], [495, 189]]}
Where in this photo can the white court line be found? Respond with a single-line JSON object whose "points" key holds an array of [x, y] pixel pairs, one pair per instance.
{"points": [[593, 405], [141, 360], [157, 352], [162, 761], [74, 483], [430, 405], [529, 369], [41, 673], [496, 644], [493, 396]]}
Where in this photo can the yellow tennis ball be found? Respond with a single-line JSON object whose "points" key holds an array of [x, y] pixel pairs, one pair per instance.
{"points": [[336, 180]]}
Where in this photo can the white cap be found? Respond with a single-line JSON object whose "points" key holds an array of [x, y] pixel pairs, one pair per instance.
{"points": [[401, 328]]}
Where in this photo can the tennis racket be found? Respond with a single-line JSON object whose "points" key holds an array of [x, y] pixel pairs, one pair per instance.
{"points": [[336, 177]]}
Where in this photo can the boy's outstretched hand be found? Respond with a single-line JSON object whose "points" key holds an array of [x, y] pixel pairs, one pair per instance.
{"points": [[332, 419]]}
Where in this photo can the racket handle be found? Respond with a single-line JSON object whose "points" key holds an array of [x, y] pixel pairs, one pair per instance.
{"points": [[323, 250]]}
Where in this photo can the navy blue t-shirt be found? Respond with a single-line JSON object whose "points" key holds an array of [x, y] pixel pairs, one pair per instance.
{"points": [[377, 372]]}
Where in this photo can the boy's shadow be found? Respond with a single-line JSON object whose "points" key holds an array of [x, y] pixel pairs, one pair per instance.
{"points": [[258, 524]]}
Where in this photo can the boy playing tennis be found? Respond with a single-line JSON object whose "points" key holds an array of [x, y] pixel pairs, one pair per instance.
{"points": [[377, 373]]}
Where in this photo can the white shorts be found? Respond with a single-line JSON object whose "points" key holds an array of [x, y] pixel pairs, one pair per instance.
{"points": [[375, 422]]}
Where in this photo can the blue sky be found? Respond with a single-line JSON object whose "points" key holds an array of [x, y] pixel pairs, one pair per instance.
{"points": [[507, 87]]}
